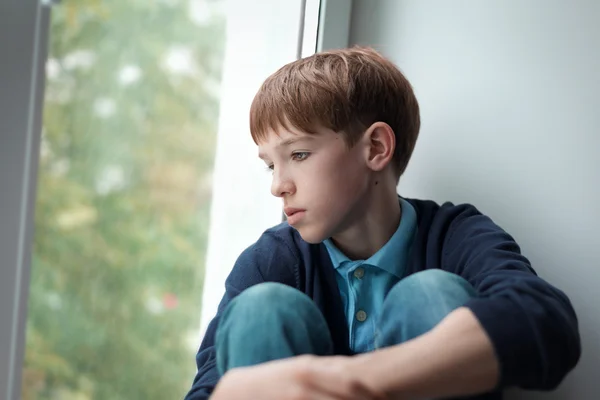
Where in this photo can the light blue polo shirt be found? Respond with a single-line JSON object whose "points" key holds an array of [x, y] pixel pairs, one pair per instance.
{"points": [[364, 284]]}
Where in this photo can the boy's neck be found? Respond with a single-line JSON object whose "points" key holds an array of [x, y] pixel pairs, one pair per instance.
{"points": [[374, 228]]}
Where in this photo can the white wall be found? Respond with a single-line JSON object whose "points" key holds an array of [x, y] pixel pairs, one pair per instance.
{"points": [[509, 92]]}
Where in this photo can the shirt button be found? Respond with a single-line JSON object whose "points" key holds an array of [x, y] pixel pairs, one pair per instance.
{"points": [[361, 316], [359, 272]]}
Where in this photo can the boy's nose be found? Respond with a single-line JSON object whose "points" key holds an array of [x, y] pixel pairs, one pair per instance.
{"points": [[280, 187]]}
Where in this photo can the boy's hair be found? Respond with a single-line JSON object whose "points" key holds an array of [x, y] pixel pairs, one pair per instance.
{"points": [[343, 90]]}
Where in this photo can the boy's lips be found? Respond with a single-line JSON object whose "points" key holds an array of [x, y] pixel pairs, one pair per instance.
{"points": [[294, 215], [289, 211]]}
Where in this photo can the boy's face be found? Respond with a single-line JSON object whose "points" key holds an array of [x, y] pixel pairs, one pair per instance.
{"points": [[319, 178]]}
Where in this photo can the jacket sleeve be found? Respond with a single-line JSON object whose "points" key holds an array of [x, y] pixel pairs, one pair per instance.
{"points": [[266, 260], [532, 324]]}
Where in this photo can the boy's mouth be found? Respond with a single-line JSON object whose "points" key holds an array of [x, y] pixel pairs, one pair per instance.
{"points": [[293, 214], [289, 211]]}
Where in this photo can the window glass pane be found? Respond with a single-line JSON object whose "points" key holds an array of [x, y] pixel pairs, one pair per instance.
{"points": [[123, 201]]}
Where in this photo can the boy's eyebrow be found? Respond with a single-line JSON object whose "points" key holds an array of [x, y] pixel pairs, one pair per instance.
{"points": [[287, 142]]}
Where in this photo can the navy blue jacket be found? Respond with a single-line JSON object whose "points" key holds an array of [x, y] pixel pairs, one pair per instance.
{"points": [[531, 324]]}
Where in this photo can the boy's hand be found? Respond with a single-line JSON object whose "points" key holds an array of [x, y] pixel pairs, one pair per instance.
{"points": [[297, 378]]}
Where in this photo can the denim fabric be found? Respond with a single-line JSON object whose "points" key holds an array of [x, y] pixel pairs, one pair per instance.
{"points": [[418, 303], [271, 321]]}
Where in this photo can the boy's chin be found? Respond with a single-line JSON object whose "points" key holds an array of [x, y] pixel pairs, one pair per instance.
{"points": [[312, 236]]}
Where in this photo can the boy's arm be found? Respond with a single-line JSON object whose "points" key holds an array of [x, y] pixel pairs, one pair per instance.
{"points": [[454, 359], [425, 367], [519, 331], [531, 325]]}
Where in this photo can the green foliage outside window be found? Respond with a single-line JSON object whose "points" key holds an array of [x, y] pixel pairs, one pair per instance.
{"points": [[123, 199]]}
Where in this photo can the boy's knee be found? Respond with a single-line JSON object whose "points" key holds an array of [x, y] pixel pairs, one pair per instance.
{"points": [[267, 304], [271, 296], [433, 285], [268, 293], [269, 321], [419, 302]]}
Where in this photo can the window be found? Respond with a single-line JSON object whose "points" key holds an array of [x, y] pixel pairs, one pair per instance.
{"points": [[148, 187]]}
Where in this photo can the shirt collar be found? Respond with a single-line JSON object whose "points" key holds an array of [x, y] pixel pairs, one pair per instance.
{"points": [[393, 255]]}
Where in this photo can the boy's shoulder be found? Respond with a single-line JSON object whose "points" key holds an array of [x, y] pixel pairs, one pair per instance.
{"points": [[439, 222], [275, 256], [448, 210], [280, 243], [281, 234]]}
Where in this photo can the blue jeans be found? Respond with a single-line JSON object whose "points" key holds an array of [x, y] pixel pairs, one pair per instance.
{"points": [[271, 321]]}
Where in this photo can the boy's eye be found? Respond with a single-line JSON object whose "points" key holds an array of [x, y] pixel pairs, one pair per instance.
{"points": [[300, 156], [270, 167]]}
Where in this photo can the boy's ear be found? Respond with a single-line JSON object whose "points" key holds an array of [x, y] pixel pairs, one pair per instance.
{"points": [[380, 143]]}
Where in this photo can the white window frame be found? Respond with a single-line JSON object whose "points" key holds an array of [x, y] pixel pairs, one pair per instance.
{"points": [[335, 20]]}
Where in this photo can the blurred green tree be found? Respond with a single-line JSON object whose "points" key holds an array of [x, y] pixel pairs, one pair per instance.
{"points": [[123, 198]]}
